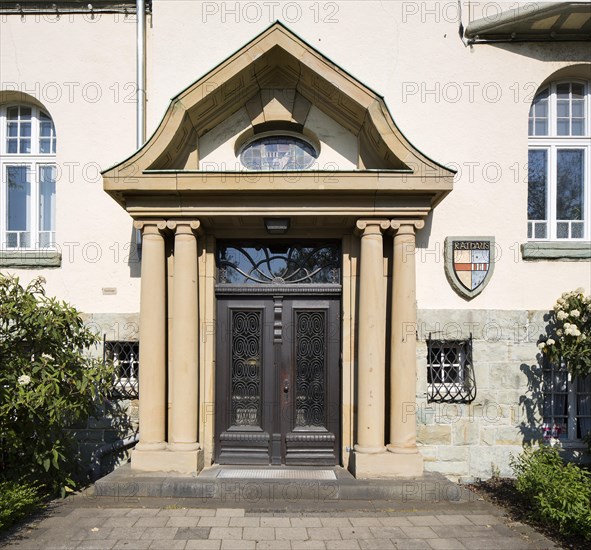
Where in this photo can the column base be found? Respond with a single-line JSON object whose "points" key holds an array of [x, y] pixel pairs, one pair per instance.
{"points": [[160, 446], [386, 465], [184, 462], [183, 447], [398, 449], [369, 450]]}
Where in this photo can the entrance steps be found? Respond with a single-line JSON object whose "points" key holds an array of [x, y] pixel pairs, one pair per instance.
{"points": [[278, 487]]}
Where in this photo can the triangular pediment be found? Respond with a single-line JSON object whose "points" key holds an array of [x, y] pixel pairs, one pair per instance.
{"points": [[276, 78]]}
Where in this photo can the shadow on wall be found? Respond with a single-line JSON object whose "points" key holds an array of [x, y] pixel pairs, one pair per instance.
{"points": [[116, 420], [532, 403], [135, 254]]}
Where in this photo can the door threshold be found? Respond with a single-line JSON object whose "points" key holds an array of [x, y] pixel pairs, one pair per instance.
{"points": [[275, 472]]}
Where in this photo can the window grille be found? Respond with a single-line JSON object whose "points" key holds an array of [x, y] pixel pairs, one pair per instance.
{"points": [[450, 371], [125, 357]]}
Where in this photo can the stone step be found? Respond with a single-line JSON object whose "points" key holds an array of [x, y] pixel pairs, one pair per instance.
{"points": [[277, 486]]}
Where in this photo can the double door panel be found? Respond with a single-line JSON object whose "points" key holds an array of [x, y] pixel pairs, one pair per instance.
{"points": [[278, 380]]}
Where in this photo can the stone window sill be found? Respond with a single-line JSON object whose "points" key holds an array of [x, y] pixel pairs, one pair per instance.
{"points": [[559, 250], [30, 259]]}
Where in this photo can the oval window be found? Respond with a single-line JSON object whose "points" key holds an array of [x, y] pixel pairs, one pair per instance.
{"points": [[278, 153]]}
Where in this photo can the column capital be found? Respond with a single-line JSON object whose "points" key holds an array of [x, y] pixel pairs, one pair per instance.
{"points": [[371, 226], [402, 226], [184, 226], [150, 226]]}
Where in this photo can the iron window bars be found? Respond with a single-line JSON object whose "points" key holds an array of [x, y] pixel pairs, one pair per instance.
{"points": [[450, 371], [125, 356]]}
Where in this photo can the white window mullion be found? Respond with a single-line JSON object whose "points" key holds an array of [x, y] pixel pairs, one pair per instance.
{"points": [[4, 210], [35, 207], [587, 192], [552, 192]]}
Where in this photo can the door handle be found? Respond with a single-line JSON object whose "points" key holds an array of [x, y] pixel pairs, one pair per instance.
{"points": [[286, 387]]}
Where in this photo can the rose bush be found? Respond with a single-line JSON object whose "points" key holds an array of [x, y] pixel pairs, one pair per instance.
{"points": [[48, 382], [568, 338]]}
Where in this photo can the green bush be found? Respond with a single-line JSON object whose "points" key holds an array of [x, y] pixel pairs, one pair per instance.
{"points": [[48, 382], [16, 501], [560, 493]]}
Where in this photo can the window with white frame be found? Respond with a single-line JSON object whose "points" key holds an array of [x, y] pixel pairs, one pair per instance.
{"points": [[567, 404], [559, 163], [28, 178]]}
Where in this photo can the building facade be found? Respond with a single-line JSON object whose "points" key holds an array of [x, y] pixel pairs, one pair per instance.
{"points": [[341, 239]]}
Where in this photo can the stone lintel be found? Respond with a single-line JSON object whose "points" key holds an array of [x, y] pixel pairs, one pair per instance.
{"points": [[184, 462], [560, 250], [386, 465], [30, 259]]}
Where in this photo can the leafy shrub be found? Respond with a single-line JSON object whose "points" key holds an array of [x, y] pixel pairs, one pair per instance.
{"points": [[47, 383], [16, 501], [559, 493]]}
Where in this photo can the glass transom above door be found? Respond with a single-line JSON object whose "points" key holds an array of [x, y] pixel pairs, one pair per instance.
{"points": [[292, 264]]}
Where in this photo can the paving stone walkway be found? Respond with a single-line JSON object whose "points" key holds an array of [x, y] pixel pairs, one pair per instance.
{"points": [[187, 528]]}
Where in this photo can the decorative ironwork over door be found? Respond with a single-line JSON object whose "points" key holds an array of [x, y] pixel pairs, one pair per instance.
{"points": [[278, 358]]}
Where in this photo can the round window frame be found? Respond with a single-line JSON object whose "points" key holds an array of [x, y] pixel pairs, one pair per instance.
{"points": [[278, 134]]}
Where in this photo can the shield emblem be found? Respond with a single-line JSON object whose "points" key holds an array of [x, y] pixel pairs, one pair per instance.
{"points": [[469, 263]]}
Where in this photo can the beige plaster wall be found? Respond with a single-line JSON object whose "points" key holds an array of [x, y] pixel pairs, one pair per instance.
{"points": [[464, 106], [83, 71]]}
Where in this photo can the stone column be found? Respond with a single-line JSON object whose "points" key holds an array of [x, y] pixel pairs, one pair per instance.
{"points": [[372, 339], [403, 346], [185, 362], [152, 377]]}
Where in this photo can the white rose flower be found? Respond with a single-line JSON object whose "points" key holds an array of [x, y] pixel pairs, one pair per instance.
{"points": [[561, 315], [559, 332], [541, 345], [575, 313], [550, 342], [575, 331], [580, 290], [24, 379]]}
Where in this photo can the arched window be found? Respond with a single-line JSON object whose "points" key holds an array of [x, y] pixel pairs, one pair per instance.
{"points": [[278, 152], [27, 187], [559, 163]]}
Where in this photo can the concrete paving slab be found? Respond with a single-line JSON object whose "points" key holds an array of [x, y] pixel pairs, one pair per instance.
{"points": [[169, 524]]}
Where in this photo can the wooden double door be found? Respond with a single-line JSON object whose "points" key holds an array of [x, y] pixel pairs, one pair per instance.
{"points": [[278, 381]]}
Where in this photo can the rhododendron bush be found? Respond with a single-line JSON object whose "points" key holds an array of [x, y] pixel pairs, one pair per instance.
{"points": [[568, 339]]}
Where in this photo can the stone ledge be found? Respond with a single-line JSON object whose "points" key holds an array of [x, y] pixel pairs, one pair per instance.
{"points": [[570, 251], [30, 259]]}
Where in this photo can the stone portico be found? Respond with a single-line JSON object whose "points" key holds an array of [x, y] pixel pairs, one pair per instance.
{"points": [[185, 207]]}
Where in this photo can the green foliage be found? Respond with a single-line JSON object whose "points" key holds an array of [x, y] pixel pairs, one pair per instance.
{"points": [[569, 333], [47, 383], [559, 493], [16, 501]]}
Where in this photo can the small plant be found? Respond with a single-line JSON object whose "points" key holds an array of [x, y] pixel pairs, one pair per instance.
{"points": [[48, 382], [559, 493], [16, 501], [569, 333]]}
